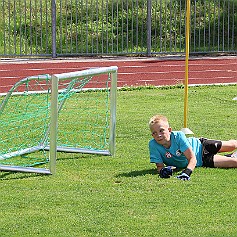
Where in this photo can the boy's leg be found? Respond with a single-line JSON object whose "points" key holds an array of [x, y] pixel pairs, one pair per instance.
{"points": [[228, 146], [224, 162], [212, 159]]}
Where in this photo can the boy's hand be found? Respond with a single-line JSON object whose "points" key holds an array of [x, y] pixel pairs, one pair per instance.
{"points": [[185, 175], [166, 172]]}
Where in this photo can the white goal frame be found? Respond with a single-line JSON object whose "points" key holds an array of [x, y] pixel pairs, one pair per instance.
{"points": [[55, 110]]}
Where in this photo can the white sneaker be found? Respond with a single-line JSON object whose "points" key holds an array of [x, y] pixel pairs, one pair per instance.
{"points": [[234, 155]]}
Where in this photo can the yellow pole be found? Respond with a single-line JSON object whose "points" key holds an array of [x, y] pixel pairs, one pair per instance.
{"points": [[185, 129]]}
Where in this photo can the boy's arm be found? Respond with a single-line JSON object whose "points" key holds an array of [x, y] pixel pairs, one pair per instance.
{"points": [[192, 161]]}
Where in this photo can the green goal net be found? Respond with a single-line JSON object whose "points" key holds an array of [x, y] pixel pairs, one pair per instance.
{"points": [[68, 112]]}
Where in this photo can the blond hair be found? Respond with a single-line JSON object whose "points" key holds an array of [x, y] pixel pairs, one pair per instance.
{"points": [[157, 119]]}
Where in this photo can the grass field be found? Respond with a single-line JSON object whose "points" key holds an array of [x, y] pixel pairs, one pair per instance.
{"points": [[122, 196]]}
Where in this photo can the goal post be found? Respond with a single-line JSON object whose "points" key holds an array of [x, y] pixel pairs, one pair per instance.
{"points": [[67, 112]]}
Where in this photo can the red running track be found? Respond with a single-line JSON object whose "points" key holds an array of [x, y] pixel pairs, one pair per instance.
{"points": [[131, 71]]}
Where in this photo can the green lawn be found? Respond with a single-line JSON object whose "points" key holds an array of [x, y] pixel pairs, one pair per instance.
{"points": [[122, 196]]}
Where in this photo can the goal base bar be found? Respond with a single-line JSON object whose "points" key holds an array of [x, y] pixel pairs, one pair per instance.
{"points": [[81, 150], [24, 169], [21, 152]]}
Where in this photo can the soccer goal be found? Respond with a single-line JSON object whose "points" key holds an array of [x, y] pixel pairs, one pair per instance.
{"points": [[46, 114]]}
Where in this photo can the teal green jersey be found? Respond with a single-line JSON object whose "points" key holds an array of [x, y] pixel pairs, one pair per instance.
{"points": [[174, 156]]}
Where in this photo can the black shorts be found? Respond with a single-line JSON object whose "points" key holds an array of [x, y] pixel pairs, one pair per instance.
{"points": [[210, 148]]}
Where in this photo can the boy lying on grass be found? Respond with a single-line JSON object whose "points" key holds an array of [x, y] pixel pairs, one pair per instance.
{"points": [[173, 149]]}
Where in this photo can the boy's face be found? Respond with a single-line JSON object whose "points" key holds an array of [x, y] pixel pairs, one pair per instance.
{"points": [[161, 133]]}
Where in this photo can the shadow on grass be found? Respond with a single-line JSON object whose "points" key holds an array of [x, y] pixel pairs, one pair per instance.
{"points": [[138, 173], [6, 175], [76, 156]]}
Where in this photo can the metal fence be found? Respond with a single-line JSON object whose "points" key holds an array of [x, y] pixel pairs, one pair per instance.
{"points": [[115, 27]]}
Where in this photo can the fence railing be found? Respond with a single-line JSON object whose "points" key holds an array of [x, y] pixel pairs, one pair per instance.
{"points": [[115, 27]]}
